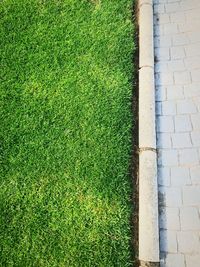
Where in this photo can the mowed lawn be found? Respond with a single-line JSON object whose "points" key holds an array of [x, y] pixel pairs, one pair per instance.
{"points": [[65, 132]]}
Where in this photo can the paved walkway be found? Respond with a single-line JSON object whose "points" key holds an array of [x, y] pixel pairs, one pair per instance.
{"points": [[177, 55]]}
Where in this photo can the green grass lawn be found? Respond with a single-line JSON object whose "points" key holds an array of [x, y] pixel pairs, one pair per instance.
{"points": [[65, 132]]}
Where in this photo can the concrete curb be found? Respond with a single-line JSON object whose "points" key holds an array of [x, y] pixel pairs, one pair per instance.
{"points": [[148, 188]]}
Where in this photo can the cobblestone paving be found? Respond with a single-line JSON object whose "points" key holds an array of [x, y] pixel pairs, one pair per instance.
{"points": [[177, 56]]}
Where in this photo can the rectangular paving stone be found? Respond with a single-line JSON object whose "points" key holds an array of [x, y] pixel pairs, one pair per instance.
{"points": [[195, 75], [186, 106], [192, 90], [180, 176], [164, 140], [196, 121], [173, 197], [169, 108], [172, 7], [192, 260], [188, 157], [182, 77], [192, 50], [177, 52], [169, 218], [175, 92], [182, 124], [168, 241], [180, 140], [176, 65], [162, 53], [191, 195], [189, 218], [180, 40], [165, 124], [195, 175], [195, 136], [188, 242], [168, 157], [174, 260]]}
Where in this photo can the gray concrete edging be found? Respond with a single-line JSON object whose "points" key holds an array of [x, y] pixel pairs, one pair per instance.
{"points": [[148, 188]]}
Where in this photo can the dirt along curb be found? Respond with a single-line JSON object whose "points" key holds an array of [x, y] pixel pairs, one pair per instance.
{"points": [[148, 189]]}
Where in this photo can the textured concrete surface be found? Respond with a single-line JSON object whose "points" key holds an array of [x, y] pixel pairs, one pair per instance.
{"points": [[177, 73], [148, 188]]}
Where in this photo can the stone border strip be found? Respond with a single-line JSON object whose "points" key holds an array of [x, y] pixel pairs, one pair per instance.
{"points": [[148, 188]]}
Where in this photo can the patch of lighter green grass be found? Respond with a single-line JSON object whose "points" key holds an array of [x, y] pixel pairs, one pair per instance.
{"points": [[65, 98]]}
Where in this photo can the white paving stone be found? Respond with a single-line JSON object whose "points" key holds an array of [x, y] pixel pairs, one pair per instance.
{"points": [[169, 219], [163, 41], [181, 139], [180, 40], [186, 106], [192, 62], [177, 52], [188, 26], [182, 77], [182, 123], [169, 108], [192, 90], [173, 197], [192, 50], [180, 176], [195, 175], [175, 260], [165, 124], [193, 260], [195, 138], [188, 156], [177, 17], [189, 4], [170, 241], [164, 78], [194, 38], [176, 65], [162, 53], [195, 75], [172, 7], [191, 195], [168, 157], [197, 103], [170, 28], [161, 65], [189, 218], [174, 92], [196, 121], [188, 242], [164, 140]]}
